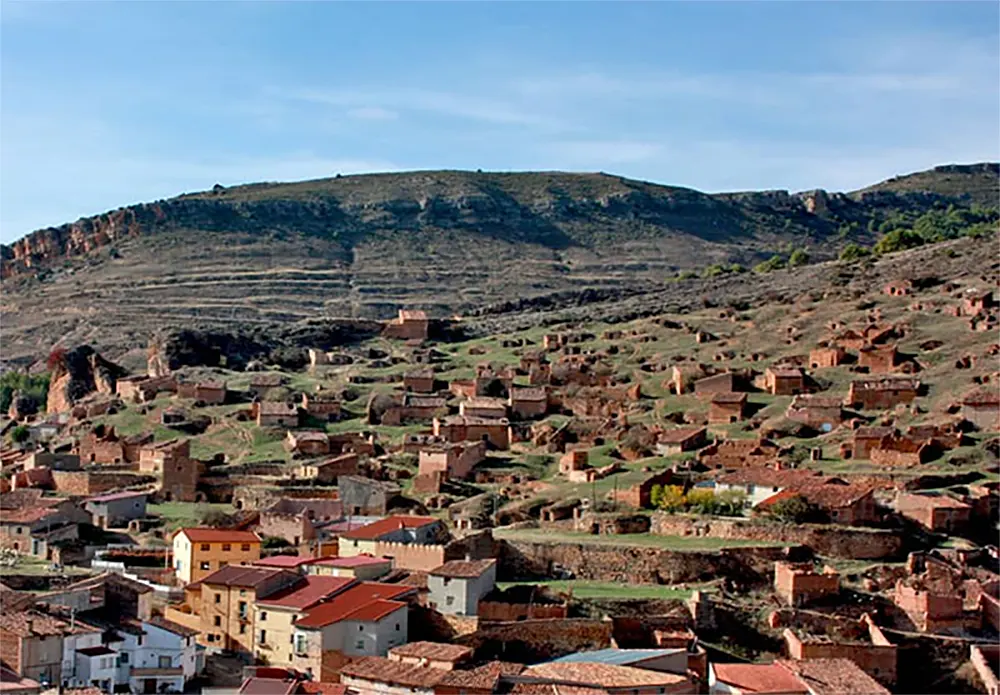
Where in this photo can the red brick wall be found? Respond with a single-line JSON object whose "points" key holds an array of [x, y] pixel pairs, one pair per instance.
{"points": [[879, 662]]}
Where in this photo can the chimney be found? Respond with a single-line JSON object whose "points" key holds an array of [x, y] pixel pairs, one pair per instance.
{"points": [[30, 624], [468, 557]]}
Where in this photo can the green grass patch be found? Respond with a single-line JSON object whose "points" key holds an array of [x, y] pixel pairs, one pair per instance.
{"points": [[584, 589], [646, 540]]}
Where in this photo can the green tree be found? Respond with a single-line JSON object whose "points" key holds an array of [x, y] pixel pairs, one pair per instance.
{"points": [[898, 240], [20, 434], [686, 275], [655, 493], [36, 386], [798, 258], [713, 270], [672, 499], [853, 252], [736, 269]]}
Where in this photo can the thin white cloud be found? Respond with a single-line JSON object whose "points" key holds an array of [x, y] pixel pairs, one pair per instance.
{"points": [[373, 113]]}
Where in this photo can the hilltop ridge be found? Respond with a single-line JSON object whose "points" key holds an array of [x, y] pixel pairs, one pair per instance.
{"points": [[445, 241]]}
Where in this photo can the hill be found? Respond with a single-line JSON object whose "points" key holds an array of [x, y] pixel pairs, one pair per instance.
{"points": [[973, 183], [445, 241]]}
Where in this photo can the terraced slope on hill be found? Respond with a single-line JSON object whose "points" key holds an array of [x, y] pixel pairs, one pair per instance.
{"points": [[446, 241]]}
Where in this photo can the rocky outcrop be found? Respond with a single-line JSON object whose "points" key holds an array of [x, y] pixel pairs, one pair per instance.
{"points": [[78, 373], [554, 210]]}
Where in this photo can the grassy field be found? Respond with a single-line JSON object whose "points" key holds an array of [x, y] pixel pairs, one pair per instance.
{"points": [[179, 514], [583, 589], [643, 540]]}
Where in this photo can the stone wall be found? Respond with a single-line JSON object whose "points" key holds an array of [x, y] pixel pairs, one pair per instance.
{"points": [[95, 482], [497, 611], [836, 541], [528, 641], [640, 565]]}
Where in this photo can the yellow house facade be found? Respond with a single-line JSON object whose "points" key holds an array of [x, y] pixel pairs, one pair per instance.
{"points": [[198, 552]]}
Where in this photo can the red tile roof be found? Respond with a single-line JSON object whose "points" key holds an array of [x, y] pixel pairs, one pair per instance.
{"points": [[603, 675], [377, 529], [483, 677], [268, 686], [351, 600], [236, 575], [464, 569], [982, 396], [679, 435], [40, 624], [382, 670], [765, 679], [374, 611], [218, 535], [833, 677], [306, 593], [435, 651]]}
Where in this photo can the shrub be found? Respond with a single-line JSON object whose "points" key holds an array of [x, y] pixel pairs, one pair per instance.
{"points": [[20, 434], [853, 252], [794, 509], [775, 262], [270, 542], [798, 258], [713, 270]]}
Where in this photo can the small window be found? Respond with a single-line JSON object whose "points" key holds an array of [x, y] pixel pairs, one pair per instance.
{"points": [[218, 621], [361, 628], [20, 530], [263, 636], [243, 629], [245, 547], [397, 627], [449, 600], [243, 592], [360, 644], [205, 566], [204, 547], [211, 637], [226, 547], [263, 616], [138, 640], [218, 598], [124, 657]]}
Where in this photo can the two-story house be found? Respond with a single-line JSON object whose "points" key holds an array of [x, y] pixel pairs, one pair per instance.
{"points": [[277, 612], [457, 586], [367, 619], [198, 552]]}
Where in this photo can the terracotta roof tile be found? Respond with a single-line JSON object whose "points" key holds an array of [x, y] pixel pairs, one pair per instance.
{"points": [[681, 434], [26, 623], [438, 651], [377, 529], [464, 569], [306, 593], [833, 677], [351, 600], [483, 677], [603, 675], [769, 679], [382, 670], [237, 575]]}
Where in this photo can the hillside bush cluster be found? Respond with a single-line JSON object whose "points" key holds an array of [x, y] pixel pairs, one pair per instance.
{"points": [[672, 498]]}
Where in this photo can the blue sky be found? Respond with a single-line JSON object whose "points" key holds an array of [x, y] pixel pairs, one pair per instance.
{"points": [[104, 105]]}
